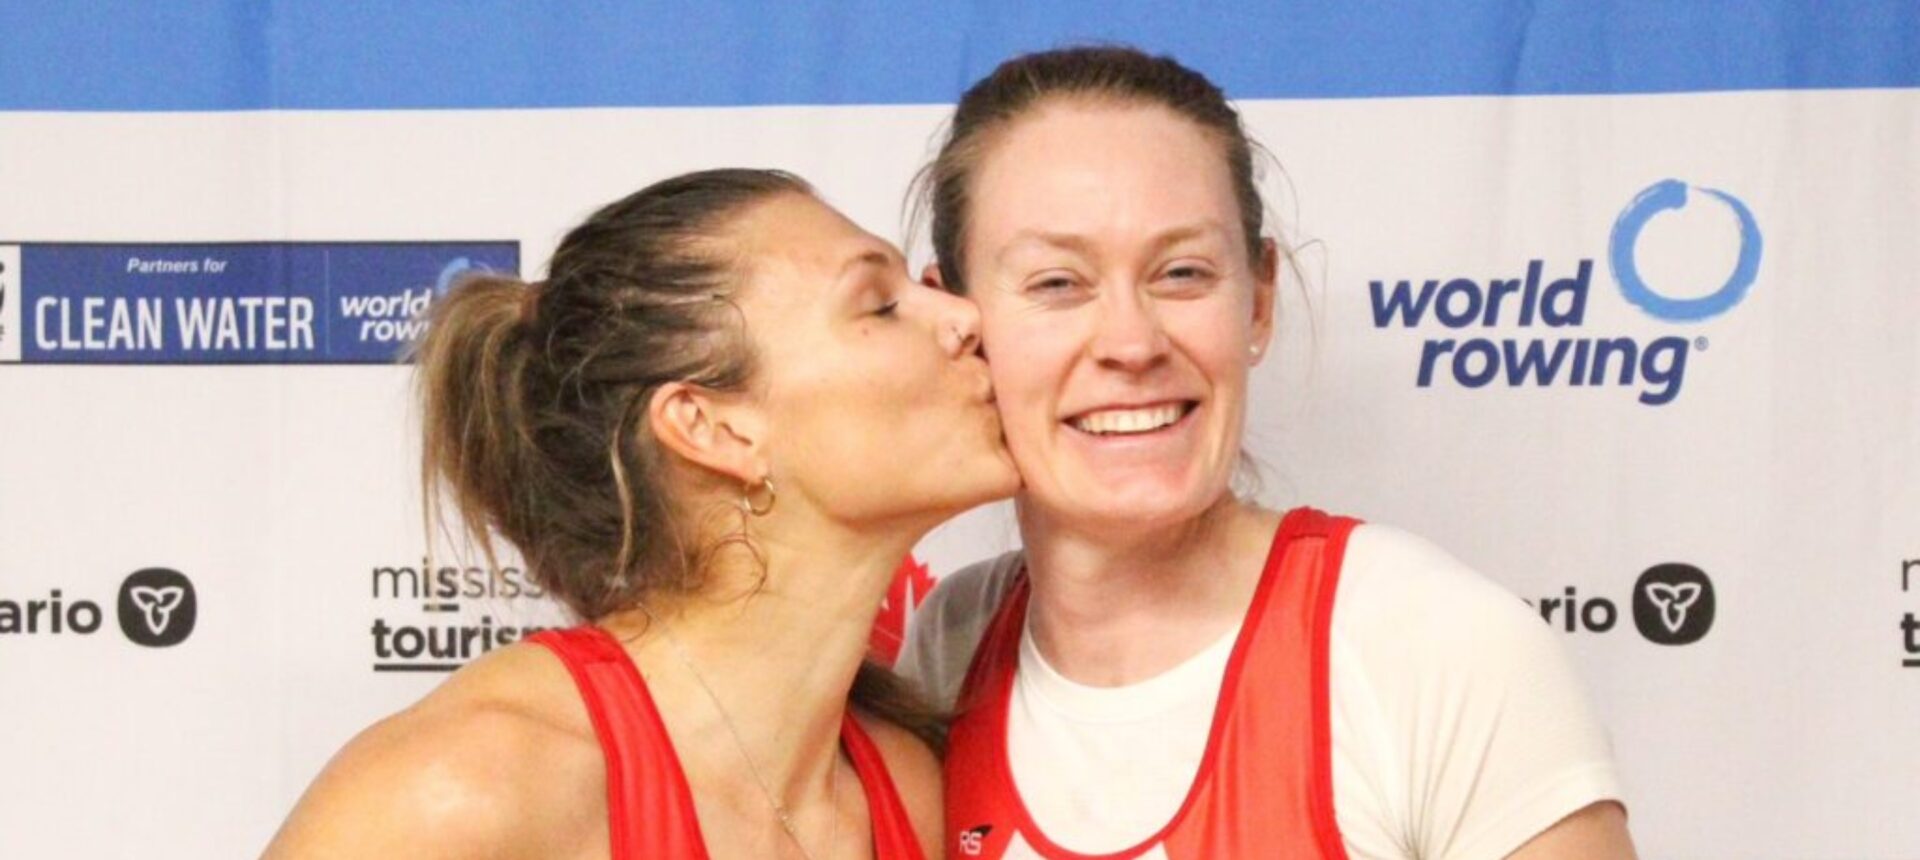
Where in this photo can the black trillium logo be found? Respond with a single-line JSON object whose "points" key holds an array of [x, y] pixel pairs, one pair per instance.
{"points": [[1673, 604], [158, 607]]}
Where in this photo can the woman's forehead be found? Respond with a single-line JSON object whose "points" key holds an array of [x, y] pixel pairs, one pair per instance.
{"points": [[804, 246], [1102, 169]]}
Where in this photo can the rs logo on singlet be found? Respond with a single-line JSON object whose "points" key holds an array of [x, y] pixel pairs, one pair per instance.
{"points": [[970, 840]]}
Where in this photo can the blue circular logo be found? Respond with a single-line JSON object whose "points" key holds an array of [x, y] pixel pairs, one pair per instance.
{"points": [[452, 272], [1672, 194]]}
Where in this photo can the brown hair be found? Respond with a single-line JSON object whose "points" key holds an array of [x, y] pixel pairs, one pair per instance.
{"points": [[1110, 73], [534, 397]]}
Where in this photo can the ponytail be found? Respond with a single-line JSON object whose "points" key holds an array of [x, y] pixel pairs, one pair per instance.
{"points": [[476, 444]]}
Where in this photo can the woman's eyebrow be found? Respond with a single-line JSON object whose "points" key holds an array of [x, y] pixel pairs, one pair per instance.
{"points": [[1176, 235], [867, 257], [1067, 241], [1083, 246]]}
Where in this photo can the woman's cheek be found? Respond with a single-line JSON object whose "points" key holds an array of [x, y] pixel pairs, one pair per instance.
{"points": [[1020, 394]]}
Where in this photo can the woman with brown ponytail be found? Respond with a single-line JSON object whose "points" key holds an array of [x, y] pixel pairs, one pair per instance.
{"points": [[713, 432]]}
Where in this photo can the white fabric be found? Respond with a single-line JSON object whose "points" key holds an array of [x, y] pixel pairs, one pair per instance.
{"points": [[1101, 768], [1460, 728]]}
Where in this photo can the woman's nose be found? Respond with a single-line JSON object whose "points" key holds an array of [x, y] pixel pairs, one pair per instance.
{"points": [[959, 323], [1128, 334]]}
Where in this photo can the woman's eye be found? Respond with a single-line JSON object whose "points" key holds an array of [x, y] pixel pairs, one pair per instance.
{"points": [[1051, 283], [887, 309], [1185, 279]]}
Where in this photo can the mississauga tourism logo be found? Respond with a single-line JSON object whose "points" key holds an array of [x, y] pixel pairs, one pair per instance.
{"points": [[1671, 604], [156, 607], [425, 617], [1529, 327]]}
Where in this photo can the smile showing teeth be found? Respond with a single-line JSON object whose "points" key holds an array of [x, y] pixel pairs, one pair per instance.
{"points": [[1109, 422]]}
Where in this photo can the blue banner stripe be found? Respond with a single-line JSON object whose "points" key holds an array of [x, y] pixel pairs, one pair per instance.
{"points": [[200, 55], [237, 302]]}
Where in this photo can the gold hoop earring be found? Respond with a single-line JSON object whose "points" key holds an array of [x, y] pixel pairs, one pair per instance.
{"points": [[748, 504]]}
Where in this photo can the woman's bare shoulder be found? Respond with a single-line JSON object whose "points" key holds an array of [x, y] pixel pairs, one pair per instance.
{"points": [[916, 773], [500, 761]]}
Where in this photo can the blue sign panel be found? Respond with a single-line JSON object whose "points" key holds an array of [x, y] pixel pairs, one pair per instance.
{"points": [[237, 303]]}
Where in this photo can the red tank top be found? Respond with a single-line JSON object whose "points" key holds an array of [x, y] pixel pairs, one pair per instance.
{"points": [[1265, 783], [649, 803]]}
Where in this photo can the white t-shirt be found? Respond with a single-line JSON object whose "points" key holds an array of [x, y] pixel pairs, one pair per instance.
{"points": [[1460, 729]]}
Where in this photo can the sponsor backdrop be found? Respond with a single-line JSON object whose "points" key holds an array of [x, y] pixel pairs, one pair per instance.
{"points": [[1616, 303]]}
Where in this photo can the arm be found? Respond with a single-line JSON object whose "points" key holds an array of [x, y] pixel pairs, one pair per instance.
{"points": [[1598, 832], [1469, 734], [427, 785]]}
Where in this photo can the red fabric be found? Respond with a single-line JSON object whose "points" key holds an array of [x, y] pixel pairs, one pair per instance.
{"points": [[1265, 784], [911, 583], [650, 810]]}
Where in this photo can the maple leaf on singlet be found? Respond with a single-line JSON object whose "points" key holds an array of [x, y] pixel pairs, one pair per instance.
{"points": [[911, 582]]}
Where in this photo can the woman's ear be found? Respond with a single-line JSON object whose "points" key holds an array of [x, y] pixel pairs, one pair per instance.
{"points": [[930, 276], [1265, 291], [710, 430]]}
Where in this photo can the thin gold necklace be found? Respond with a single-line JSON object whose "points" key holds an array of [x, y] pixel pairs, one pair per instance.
{"points": [[780, 811]]}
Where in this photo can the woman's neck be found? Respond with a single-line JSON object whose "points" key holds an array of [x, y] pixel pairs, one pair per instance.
{"points": [[760, 661], [1114, 607]]}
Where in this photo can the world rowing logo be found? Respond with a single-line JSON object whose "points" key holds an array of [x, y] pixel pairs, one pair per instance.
{"points": [[454, 271], [1529, 327], [1668, 195]]}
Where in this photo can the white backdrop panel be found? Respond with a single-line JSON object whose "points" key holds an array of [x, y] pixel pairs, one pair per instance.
{"points": [[1787, 467]]}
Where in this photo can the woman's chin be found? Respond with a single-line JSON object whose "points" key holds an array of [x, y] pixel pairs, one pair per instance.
{"points": [[1010, 482], [1137, 505], [991, 478]]}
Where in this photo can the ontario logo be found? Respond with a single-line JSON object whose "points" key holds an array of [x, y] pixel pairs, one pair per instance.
{"points": [[1532, 327], [157, 607], [1673, 603]]}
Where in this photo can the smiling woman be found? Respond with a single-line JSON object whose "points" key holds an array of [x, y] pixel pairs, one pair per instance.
{"points": [[1169, 670]]}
